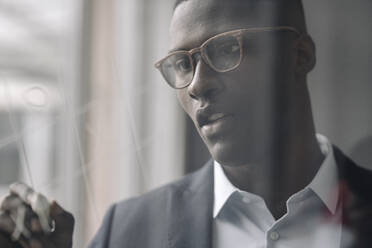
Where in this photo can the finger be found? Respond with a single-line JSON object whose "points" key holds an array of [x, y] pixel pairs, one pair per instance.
{"points": [[32, 222], [35, 225], [55, 209], [34, 243], [63, 219], [11, 203], [22, 191], [7, 225], [39, 203], [19, 212]]}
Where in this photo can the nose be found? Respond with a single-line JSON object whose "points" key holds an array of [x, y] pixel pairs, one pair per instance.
{"points": [[205, 83]]}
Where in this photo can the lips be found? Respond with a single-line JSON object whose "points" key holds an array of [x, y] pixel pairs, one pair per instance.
{"points": [[206, 117], [215, 117]]}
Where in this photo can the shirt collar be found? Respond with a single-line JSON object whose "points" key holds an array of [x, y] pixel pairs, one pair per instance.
{"points": [[324, 184], [223, 188]]}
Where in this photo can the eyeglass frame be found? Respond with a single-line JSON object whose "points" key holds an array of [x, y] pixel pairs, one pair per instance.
{"points": [[238, 33]]}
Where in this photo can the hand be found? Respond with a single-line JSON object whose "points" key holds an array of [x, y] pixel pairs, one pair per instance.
{"points": [[27, 220]]}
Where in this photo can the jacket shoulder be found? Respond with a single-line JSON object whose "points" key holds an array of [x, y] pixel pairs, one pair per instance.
{"points": [[159, 196], [357, 178], [138, 220]]}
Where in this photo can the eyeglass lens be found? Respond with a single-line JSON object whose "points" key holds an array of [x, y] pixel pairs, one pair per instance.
{"points": [[222, 54], [177, 69]]}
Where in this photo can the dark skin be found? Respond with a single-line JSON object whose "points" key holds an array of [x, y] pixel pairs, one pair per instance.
{"points": [[268, 132]]}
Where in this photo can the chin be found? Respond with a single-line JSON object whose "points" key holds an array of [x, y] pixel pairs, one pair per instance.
{"points": [[237, 154], [228, 154]]}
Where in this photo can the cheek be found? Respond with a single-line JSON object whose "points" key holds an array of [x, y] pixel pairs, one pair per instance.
{"points": [[265, 72], [185, 101]]}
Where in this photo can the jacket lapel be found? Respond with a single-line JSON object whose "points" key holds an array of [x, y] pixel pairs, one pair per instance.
{"points": [[190, 223], [356, 197]]}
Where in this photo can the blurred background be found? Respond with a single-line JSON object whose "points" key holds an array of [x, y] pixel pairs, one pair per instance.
{"points": [[87, 120]]}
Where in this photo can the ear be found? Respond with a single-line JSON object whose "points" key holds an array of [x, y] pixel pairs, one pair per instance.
{"points": [[305, 54]]}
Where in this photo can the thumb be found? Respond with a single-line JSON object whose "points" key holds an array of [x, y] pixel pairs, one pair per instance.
{"points": [[55, 209], [63, 219]]}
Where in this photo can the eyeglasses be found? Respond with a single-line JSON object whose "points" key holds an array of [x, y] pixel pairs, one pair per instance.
{"points": [[222, 53]]}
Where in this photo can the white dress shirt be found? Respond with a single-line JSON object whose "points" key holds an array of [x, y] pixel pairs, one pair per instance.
{"points": [[241, 219]]}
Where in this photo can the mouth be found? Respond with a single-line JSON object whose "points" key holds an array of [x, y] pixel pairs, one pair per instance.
{"points": [[216, 124], [211, 119], [213, 122]]}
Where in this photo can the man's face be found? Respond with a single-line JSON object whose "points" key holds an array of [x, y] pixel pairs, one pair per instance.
{"points": [[234, 112]]}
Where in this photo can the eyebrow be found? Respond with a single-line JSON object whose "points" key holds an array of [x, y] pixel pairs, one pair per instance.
{"points": [[211, 35], [176, 50]]}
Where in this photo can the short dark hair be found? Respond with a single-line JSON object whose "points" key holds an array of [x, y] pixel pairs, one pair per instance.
{"points": [[177, 2], [290, 12]]}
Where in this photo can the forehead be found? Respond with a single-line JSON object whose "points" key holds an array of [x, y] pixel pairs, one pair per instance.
{"points": [[194, 21]]}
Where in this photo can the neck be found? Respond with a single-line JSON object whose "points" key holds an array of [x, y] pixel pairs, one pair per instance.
{"points": [[277, 179], [294, 159]]}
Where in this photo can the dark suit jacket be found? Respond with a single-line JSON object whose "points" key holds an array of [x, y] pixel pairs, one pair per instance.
{"points": [[179, 215]]}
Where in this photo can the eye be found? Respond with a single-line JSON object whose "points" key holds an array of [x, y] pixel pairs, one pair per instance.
{"points": [[183, 65], [223, 52], [227, 49]]}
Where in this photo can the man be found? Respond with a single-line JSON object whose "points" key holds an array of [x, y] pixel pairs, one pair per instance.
{"points": [[239, 68]]}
